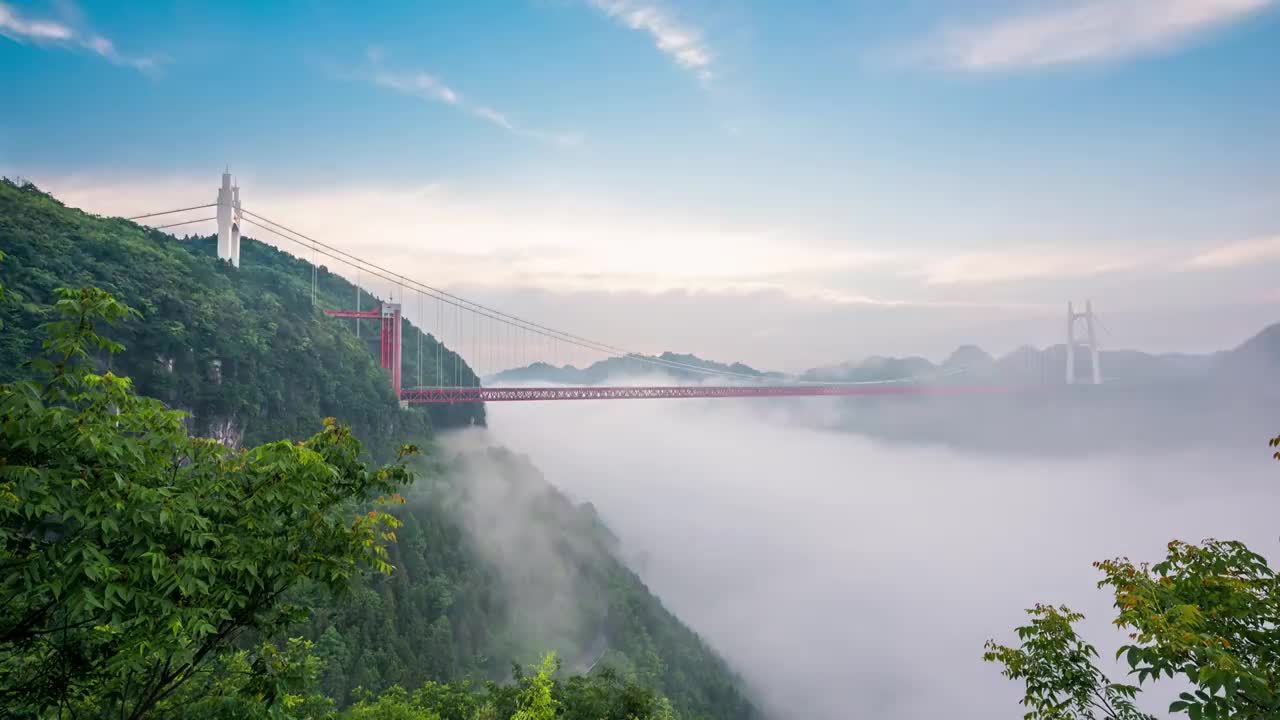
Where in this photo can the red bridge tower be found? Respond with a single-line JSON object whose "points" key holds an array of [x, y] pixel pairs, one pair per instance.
{"points": [[389, 313]]}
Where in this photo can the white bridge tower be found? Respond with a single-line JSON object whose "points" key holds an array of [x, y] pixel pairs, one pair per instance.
{"points": [[1091, 340], [229, 218]]}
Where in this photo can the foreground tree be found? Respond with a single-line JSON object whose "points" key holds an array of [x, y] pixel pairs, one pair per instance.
{"points": [[602, 695], [536, 701], [1058, 669], [1208, 614], [133, 555]]}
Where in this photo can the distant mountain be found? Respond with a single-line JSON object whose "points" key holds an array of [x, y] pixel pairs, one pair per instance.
{"points": [[1049, 366], [1226, 399], [1027, 365], [685, 359], [678, 366], [1254, 359], [969, 357], [1261, 350], [873, 369], [1254, 365]]}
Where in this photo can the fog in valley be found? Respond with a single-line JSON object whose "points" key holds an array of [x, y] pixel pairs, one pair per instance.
{"points": [[504, 503], [845, 577]]}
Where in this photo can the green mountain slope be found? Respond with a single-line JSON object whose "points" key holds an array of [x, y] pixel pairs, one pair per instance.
{"points": [[242, 349], [494, 566]]}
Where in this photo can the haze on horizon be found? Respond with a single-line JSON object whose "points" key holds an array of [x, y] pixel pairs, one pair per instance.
{"points": [[783, 184]]}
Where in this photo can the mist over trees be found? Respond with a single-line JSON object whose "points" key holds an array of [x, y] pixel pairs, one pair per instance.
{"points": [[169, 575]]}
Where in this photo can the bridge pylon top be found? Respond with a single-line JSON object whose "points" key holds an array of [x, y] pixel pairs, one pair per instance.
{"points": [[230, 217]]}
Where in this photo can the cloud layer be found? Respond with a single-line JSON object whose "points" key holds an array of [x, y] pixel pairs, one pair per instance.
{"points": [[1084, 30], [1001, 267], [833, 570], [1238, 253], [48, 32]]}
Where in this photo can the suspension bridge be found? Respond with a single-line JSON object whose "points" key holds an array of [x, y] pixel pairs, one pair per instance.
{"points": [[493, 340]]}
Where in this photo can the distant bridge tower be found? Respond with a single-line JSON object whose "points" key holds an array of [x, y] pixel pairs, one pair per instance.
{"points": [[229, 219], [1092, 342]]}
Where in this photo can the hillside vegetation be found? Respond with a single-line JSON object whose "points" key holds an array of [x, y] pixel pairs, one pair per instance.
{"points": [[492, 565], [243, 350]]}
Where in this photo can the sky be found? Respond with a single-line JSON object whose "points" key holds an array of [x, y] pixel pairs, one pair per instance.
{"points": [[788, 184]]}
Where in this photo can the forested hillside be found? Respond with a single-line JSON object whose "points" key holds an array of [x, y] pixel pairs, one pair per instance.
{"points": [[242, 350], [493, 566]]}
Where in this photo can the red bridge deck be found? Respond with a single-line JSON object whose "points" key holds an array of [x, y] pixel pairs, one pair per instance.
{"points": [[526, 394]]}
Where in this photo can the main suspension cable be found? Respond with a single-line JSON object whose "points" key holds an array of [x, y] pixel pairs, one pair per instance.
{"points": [[498, 314], [461, 304], [170, 212], [178, 224]]}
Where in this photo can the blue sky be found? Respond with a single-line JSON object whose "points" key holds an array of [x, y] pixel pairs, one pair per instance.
{"points": [[856, 177]]}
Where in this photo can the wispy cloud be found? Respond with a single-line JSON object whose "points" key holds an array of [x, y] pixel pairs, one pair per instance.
{"points": [[1071, 31], [494, 117], [986, 268], [54, 33], [420, 84], [997, 267], [683, 43], [431, 88], [1237, 254]]}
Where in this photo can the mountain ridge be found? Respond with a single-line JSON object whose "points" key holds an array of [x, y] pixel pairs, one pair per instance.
{"points": [[1024, 364]]}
